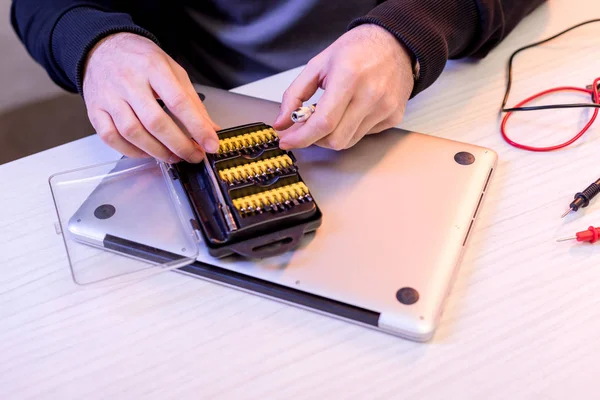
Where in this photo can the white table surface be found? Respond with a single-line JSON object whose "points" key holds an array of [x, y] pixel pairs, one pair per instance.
{"points": [[523, 319]]}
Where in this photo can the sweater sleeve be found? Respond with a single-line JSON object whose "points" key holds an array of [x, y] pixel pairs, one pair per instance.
{"points": [[436, 31], [46, 28]]}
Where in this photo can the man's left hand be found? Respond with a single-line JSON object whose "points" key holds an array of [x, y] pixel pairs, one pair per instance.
{"points": [[367, 78]]}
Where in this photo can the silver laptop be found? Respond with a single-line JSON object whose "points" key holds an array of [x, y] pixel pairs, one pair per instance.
{"points": [[398, 210]]}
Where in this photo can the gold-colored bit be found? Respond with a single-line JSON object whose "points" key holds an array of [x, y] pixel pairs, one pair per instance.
{"points": [[274, 198], [247, 140], [255, 169]]}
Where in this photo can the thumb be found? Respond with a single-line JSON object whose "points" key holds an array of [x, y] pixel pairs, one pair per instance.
{"points": [[301, 90]]}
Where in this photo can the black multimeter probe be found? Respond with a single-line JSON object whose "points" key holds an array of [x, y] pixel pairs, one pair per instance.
{"points": [[582, 199]]}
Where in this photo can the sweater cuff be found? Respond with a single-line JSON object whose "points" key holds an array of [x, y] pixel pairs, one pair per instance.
{"points": [[78, 31], [434, 31]]}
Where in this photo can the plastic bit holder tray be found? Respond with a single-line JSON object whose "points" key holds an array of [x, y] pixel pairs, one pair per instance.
{"points": [[258, 185]]}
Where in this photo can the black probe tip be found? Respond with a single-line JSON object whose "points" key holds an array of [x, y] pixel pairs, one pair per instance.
{"points": [[567, 212]]}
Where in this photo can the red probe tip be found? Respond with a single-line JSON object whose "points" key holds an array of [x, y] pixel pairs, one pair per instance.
{"points": [[591, 235]]}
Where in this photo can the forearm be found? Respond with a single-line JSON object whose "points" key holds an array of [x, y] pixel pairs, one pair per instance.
{"points": [[59, 33], [436, 31]]}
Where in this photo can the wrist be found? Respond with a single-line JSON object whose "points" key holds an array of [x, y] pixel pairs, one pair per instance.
{"points": [[416, 23], [105, 47], [108, 42], [78, 30], [414, 62], [406, 58]]}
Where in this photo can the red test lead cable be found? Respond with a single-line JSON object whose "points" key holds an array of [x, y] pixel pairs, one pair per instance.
{"points": [[593, 91]]}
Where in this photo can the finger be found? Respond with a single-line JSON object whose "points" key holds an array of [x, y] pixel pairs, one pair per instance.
{"points": [[106, 129], [132, 130], [387, 113], [181, 104], [301, 89], [387, 124], [376, 117], [162, 127], [363, 129], [184, 78], [324, 120], [358, 110], [371, 127]]}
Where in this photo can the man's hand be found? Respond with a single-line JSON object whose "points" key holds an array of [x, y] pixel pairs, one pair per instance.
{"points": [[367, 79], [125, 74]]}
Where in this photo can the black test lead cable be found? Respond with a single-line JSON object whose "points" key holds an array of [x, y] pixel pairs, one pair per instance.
{"points": [[590, 90], [510, 75], [581, 199]]}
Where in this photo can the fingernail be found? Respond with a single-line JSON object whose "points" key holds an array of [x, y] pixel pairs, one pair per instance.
{"points": [[174, 159], [211, 145], [197, 157]]}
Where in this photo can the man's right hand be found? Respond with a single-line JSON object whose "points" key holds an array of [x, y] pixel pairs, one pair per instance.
{"points": [[124, 75]]}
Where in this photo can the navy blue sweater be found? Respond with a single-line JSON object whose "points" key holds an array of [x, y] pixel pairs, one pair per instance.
{"points": [[59, 33]]}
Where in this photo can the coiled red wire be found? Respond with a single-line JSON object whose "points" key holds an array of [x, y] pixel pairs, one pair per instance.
{"points": [[593, 92]]}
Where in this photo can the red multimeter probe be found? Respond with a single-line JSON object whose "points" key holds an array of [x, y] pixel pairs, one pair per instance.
{"points": [[591, 235]]}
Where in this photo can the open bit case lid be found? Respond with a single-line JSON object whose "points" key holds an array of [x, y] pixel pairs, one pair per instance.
{"points": [[103, 208]]}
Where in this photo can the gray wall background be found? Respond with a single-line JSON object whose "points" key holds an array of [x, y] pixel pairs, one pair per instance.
{"points": [[35, 114]]}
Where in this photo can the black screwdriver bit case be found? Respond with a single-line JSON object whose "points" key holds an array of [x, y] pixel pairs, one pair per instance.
{"points": [[262, 231]]}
